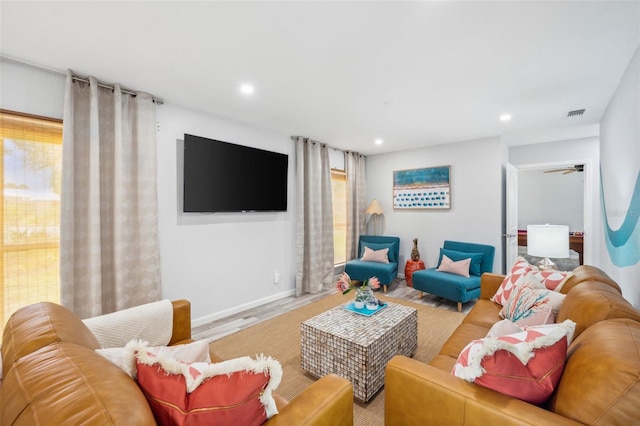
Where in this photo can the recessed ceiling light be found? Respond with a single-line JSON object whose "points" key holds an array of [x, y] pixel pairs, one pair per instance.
{"points": [[505, 117], [378, 141], [246, 89]]}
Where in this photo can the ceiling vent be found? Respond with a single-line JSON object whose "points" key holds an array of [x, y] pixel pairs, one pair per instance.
{"points": [[575, 113]]}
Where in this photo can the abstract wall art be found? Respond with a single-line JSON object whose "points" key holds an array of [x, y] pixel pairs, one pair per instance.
{"points": [[422, 189]]}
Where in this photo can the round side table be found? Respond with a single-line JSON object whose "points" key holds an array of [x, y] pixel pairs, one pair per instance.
{"points": [[410, 267]]}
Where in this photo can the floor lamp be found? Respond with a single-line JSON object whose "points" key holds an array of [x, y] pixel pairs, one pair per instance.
{"points": [[375, 210]]}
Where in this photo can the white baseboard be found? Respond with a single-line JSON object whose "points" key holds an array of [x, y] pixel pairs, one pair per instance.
{"points": [[240, 308]]}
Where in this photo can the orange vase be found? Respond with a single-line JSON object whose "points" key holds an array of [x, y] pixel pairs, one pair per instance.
{"points": [[410, 267]]}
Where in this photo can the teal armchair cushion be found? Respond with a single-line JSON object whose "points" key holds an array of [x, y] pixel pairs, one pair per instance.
{"points": [[446, 285]]}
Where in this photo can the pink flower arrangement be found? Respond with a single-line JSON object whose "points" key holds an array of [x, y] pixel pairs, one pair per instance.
{"points": [[345, 285]]}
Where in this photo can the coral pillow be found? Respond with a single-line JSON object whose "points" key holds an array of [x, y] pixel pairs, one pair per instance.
{"points": [[526, 365], [461, 267], [553, 280], [234, 392], [380, 256], [528, 306], [512, 280], [125, 358]]}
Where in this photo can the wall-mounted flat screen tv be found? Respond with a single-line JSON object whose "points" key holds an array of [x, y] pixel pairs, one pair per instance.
{"points": [[225, 177]]}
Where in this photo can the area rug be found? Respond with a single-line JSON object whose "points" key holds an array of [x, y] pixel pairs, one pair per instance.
{"points": [[279, 337]]}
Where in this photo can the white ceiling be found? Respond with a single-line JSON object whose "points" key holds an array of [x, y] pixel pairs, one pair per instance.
{"points": [[346, 73]]}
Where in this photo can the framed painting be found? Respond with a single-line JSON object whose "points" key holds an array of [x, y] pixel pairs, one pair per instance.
{"points": [[422, 189]]}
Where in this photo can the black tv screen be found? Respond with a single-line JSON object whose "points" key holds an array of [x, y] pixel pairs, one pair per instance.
{"points": [[225, 177]]}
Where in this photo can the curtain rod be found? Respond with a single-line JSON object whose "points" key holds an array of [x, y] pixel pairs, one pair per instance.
{"points": [[325, 145], [75, 78], [110, 87], [294, 138]]}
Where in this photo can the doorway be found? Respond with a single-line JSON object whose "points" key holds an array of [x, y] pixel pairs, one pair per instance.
{"points": [[557, 193]]}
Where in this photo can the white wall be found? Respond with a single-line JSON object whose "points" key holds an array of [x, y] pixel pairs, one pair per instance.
{"points": [[222, 262], [476, 190], [558, 153], [620, 157], [31, 90], [554, 198]]}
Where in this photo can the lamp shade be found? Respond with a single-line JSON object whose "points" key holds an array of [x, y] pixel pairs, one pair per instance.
{"points": [[548, 241], [374, 207]]}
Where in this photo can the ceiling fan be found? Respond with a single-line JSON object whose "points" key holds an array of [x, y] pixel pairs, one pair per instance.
{"points": [[569, 169]]}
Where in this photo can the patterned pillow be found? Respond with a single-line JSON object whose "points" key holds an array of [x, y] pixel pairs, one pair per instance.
{"points": [[512, 280], [556, 301], [528, 306], [461, 267], [526, 365], [553, 280], [503, 328], [234, 392]]}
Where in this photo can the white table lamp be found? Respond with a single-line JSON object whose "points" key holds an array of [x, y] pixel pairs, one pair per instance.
{"points": [[548, 241]]}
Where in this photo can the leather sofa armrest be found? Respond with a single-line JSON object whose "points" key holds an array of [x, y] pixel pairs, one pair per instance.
{"points": [[444, 399], [489, 284], [181, 322], [328, 401]]}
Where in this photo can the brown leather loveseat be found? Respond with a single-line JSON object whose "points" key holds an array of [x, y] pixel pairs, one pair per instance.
{"points": [[600, 384], [52, 375]]}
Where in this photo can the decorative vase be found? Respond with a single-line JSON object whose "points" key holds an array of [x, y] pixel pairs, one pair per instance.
{"points": [[361, 298], [415, 254], [410, 268], [371, 305]]}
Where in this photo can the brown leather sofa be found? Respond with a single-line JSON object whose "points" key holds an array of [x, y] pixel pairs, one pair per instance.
{"points": [[52, 375], [600, 384]]}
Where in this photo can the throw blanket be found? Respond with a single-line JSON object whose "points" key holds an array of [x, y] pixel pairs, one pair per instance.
{"points": [[151, 322]]}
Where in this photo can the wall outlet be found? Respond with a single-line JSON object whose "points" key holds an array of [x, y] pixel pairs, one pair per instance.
{"points": [[276, 276]]}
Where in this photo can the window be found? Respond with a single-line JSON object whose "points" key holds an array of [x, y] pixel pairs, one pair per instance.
{"points": [[339, 197], [30, 174]]}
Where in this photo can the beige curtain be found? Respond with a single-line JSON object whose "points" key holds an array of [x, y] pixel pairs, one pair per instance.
{"points": [[109, 256], [356, 200], [314, 217]]}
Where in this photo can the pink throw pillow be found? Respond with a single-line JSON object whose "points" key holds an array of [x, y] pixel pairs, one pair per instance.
{"points": [[380, 256], [526, 365], [461, 267]]}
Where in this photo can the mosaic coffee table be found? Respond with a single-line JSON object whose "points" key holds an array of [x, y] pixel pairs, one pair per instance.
{"points": [[358, 347]]}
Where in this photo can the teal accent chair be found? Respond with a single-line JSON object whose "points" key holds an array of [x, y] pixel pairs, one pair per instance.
{"points": [[456, 287], [386, 272]]}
